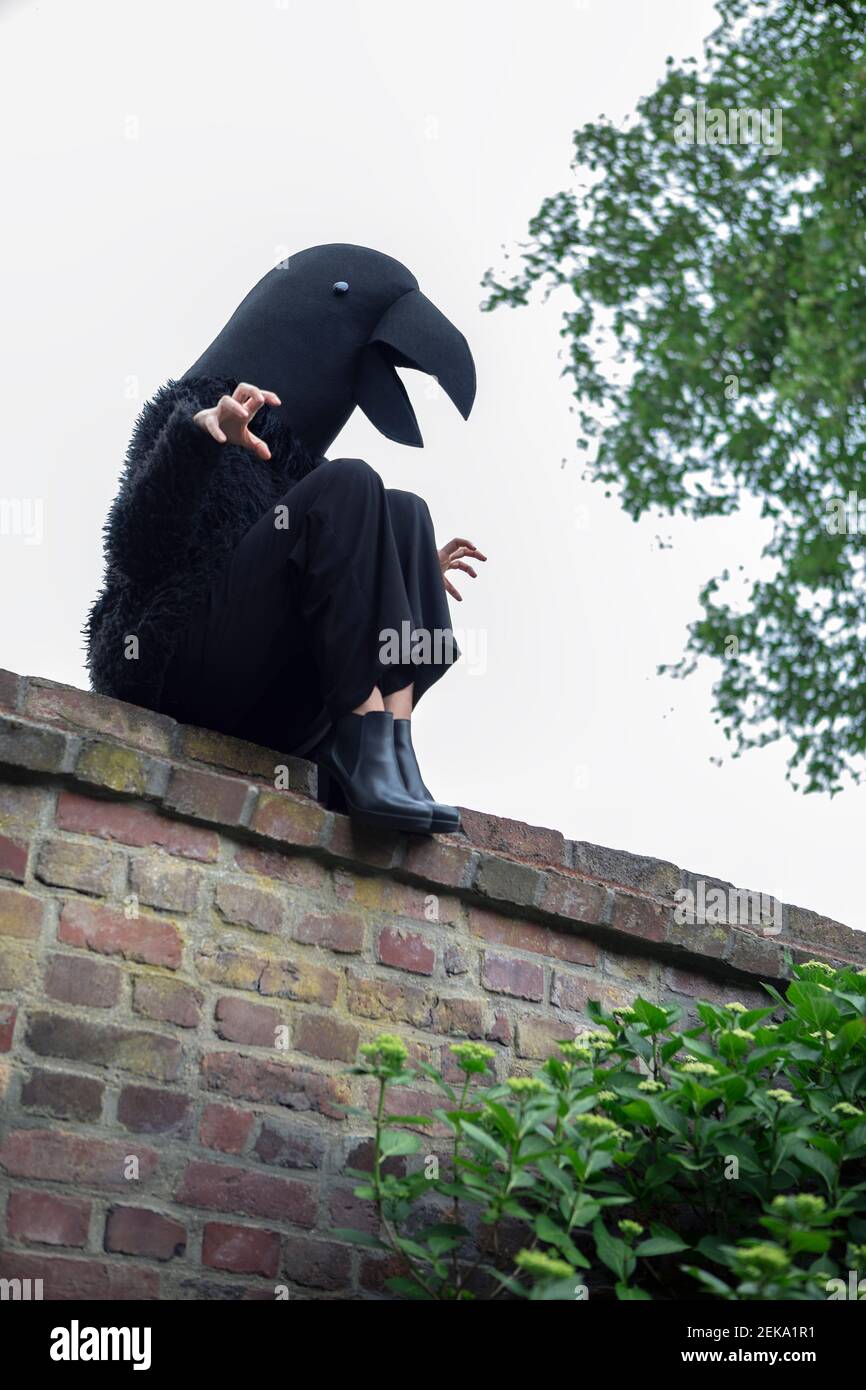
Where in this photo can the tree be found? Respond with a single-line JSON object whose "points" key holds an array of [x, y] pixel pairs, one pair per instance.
{"points": [[717, 243]]}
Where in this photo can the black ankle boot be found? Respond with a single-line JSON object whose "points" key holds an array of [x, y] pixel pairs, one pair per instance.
{"points": [[444, 819], [359, 773]]}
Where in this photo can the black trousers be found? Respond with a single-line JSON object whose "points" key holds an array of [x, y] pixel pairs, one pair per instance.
{"points": [[336, 590]]}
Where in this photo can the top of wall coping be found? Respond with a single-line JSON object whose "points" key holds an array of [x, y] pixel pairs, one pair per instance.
{"points": [[103, 747]]}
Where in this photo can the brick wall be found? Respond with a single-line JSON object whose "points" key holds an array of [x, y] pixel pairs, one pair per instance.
{"points": [[189, 959]]}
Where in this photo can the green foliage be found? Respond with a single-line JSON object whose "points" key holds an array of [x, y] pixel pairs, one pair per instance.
{"points": [[729, 280], [646, 1161]]}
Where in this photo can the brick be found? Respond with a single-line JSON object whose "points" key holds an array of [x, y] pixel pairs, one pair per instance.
{"points": [[236, 1020], [220, 1187], [11, 690], [537, 1037], [506, 880], [389, 1000], [283, 1144], [440, 861], [240, 1249], [707, 939], [70, 864], [296, 869], [167, 1001], [461, 1018], [76, 980], [265, 1081], [238, 968], [501, 1032], [145, 1110], [573, 898], [23, 808], [322, 1035], [570, 991], [532, 936], [356, 1213], [714, 991], [63, 1095], [21, 914], [82, 708], [640, 917], [107, 930], [289, 819], [56, 1155], [512, 837], [378, 893], [405, 951], [640, 969], [822, 936], [207, 796], [160, 881], [509, 975], [380, 849], [13, 858], [361, 1156], [134, 825], [103, 1045], [755, 955], [16, 967], [225, 1128], [68, 1280], [236, 755], [112, 766], [45, 1218], [316, 1264], [232, 966], [8, 1014], [300, 981], [376, 1270], [248, 906], [635, 871], [342, 932], [456, 960], [139, 1231], [31, 747]]}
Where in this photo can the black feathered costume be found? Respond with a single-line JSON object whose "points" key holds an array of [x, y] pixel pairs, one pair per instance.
{"points": [[249, 595]]}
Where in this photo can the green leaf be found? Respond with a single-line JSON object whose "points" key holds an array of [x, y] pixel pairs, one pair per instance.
{"points": [[393, 1142], [357, 1237], [484, 1141]]}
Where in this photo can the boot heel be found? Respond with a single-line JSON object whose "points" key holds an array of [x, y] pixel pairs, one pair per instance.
{"points": [[329, 793]]}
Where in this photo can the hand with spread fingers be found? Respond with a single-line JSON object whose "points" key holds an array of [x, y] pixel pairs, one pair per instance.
{"points": [[452, 557], [229, 420]]}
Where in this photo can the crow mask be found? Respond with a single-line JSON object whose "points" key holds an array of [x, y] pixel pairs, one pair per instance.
{"points": [[326, 329]]}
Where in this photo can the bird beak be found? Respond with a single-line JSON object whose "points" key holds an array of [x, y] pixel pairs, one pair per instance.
{"points": [[412, 333]]}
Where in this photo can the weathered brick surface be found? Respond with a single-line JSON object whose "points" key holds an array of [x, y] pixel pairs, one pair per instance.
{"points": [[89, 868], [191, 956], [112, 933], [137, 1231], [45, 1218]]}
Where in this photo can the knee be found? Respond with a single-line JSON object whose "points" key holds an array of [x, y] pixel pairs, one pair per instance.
{"points": [[406, 504], [351, 473]]}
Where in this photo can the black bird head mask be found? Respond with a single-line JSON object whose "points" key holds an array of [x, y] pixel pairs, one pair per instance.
{"points": [[326, 329]]}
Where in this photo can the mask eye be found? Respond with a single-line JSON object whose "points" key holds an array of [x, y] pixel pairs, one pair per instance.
{"points": [[341, 287]]}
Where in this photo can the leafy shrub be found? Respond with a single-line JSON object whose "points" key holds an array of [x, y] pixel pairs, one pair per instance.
{"points": [[647, 1161]]}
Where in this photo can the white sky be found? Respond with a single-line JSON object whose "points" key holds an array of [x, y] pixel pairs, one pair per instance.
{"points": [[158, 157]]}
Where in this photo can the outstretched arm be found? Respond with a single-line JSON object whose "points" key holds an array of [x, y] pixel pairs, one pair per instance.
{"points": [[178, 442]]}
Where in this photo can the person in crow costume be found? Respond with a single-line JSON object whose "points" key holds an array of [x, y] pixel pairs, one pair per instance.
{"points": [[249, 581]]}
